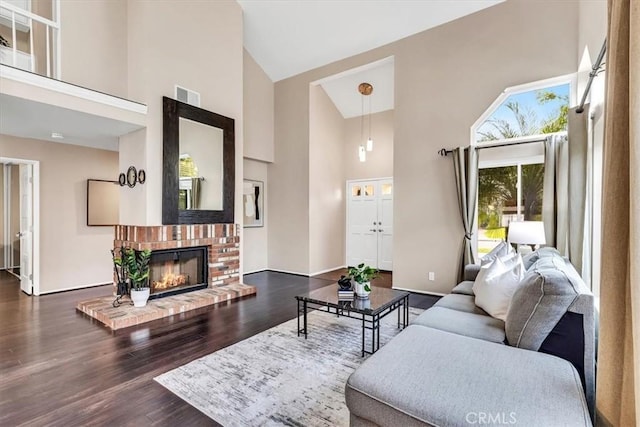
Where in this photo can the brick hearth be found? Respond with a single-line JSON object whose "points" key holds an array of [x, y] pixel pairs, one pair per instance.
{"points": [[127, 315]]}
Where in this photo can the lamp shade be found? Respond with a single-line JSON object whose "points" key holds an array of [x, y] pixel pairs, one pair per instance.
{"points": [[527, 233]]}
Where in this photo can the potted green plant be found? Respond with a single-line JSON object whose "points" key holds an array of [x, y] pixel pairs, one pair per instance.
{"points": [[137, 264], [362, 275]]}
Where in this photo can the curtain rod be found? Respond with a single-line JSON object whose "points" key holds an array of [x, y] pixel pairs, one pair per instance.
{"points": [[445, 152], [595, 70]]}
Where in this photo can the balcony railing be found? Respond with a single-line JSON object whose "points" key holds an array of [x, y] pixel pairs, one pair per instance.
{"points": [[43, 40]]}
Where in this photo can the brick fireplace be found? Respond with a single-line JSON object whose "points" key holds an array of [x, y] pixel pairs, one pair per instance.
{"points": [[222, 243]]}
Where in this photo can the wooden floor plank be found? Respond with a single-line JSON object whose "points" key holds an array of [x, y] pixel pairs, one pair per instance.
{"points": [[60, 367]]}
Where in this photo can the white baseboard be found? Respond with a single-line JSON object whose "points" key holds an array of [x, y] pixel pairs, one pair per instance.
{"points": [[255, 271], [438, 294], [73, 288], [327, 270], [288, 272]]}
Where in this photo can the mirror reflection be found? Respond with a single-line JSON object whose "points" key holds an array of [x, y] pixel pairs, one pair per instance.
{"points": [[201, 166]]}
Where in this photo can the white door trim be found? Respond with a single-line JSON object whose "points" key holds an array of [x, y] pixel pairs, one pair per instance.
{"points": [[36, 217]]}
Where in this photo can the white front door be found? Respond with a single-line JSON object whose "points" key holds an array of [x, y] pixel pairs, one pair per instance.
{"points": [[361, 226], [370, 223], [26, 228], [385, 225]]}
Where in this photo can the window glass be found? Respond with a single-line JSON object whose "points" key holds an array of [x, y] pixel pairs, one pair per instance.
{"points": [[497, 204], [368, 190], [505, 194], [387, 189], [531, 184], [528, 113], [356, 191]]}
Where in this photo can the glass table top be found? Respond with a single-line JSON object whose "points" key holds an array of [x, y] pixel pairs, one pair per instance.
{"points": [[379, 299]]}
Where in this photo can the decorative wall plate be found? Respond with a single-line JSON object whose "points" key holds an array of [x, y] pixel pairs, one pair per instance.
{"points": [[142, 176], [122, 179], [132, 176]]}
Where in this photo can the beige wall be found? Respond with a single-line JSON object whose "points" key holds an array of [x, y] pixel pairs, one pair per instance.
{"points": [[444, 79], [132, 152], [379, 162], [258, 111], [157, 61], [255, 245], [258, 91], [326, 183], [71, 254], [94, 44], [289, 178]]}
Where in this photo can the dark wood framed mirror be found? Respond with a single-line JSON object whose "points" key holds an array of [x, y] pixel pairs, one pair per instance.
{"points": [[198, 183]]}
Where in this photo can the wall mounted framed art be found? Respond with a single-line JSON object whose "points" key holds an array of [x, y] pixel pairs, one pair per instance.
{"points": [[253, 203]]}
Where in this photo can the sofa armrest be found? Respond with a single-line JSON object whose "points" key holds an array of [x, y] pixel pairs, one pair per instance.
{"points": [[471, 271]]}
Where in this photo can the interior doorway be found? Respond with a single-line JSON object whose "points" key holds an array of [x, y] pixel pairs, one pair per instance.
{"points": [[19, 210], [370, 223]]}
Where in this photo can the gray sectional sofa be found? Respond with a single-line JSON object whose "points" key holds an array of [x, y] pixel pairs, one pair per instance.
{"points": [[455, 365]]}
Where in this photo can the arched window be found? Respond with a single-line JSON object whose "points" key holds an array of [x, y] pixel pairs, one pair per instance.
{"points": [[532, 112], [511, 177]]}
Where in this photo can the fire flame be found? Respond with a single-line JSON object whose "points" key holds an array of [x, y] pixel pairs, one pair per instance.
{"points": [[170, 279]]}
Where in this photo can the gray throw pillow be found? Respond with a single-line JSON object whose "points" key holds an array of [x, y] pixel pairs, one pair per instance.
{"points": [[545, 294]]}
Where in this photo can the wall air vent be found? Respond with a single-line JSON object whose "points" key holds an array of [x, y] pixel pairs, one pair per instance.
{"points": [[187, 96]]}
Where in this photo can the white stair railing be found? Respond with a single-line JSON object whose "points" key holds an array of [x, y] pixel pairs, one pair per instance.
{"points": [[52, 30]]}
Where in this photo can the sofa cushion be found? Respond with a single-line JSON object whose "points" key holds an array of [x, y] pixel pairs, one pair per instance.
{"points": [[495, 288], [529, 259], [503, 248], [547, 291], [426, 376], [464, 288], [471, 272], [460, 303], [462, 323]]}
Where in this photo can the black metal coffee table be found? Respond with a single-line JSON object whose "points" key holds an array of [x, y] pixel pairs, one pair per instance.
{"points": [[381, 302]]}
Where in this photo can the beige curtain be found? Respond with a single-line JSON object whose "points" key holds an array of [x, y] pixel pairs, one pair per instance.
{"points": [[465, 165], [618, 380], [555, 198]]}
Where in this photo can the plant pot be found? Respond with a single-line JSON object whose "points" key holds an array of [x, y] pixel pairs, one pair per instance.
{"points": [[140, 297], [361, 292], [362, 303]]}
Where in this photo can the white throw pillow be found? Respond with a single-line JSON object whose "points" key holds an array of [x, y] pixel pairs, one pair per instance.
{"points": [[502, 249], [495, 288]]}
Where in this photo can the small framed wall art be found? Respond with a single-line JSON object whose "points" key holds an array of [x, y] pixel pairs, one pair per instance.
{"points": [[253, 203]]}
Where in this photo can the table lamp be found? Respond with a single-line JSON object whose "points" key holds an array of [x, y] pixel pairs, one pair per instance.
{"points": [[527, 233]]}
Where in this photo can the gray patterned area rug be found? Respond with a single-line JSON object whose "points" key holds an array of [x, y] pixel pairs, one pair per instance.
{"points": [[276, 378]]}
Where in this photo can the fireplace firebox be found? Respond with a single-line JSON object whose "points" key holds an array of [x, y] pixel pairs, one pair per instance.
{"points": [[174, 271]]}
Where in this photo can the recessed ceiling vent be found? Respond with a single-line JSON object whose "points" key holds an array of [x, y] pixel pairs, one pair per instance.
{"points": [[187, 96]]}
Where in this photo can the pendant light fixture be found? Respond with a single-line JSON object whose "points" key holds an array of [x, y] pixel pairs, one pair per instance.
{"points": [[365, 89]]}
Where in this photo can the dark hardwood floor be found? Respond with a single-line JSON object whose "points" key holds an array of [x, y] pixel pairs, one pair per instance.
{"points": [[59, 367]]}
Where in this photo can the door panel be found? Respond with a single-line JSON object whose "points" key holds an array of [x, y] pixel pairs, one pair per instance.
{"points": [[26, 227], [361, 234], [385, 226]]}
